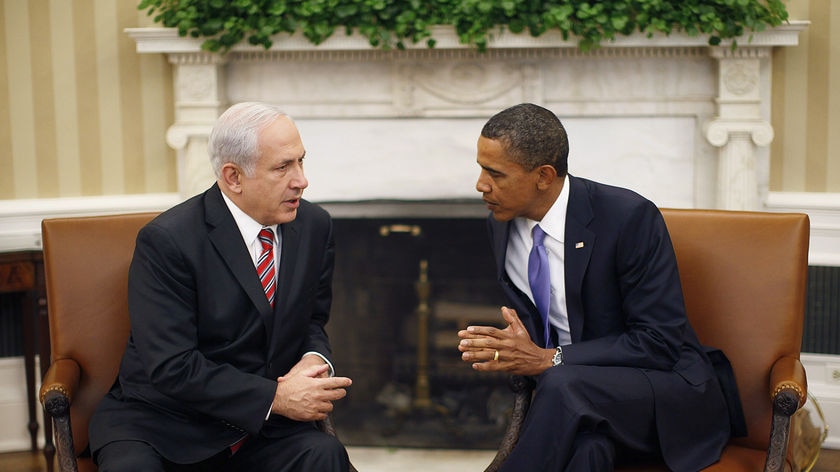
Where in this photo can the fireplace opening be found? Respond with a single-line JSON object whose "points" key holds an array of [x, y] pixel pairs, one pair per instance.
{"points": [[402, 288]]}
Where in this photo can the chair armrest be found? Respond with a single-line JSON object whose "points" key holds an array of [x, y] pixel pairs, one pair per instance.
{"points": [[788, 374], [61, 377], [60, 382], [788, 391], [523, 388]]}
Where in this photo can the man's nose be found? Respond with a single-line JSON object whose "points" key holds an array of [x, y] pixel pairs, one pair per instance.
{"points": [[299, 180], [481, 185]]}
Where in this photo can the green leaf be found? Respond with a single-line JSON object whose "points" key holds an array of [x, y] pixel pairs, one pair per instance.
{"points": [[619, 22], [389, 23]]}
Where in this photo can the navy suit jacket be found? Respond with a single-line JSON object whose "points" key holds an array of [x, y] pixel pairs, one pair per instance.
{"points": [[625, 308], [205, 349]]}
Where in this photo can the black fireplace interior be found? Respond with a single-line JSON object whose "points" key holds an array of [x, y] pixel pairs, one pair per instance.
{"points": [[402, 289]]}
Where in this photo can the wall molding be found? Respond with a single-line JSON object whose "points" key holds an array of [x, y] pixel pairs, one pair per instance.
{"points": [[20, 220], [823, 209]]}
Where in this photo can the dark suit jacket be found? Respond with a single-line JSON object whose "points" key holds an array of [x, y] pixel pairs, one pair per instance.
{"points": [[626, 308], [206, 348]]}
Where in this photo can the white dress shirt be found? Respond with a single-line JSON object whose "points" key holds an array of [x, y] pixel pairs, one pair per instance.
{"points": [[519, 246]]}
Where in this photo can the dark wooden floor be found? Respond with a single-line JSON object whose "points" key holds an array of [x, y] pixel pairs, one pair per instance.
{"points": [[828, 461]]}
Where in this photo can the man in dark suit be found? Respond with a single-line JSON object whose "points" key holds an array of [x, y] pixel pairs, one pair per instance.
{"points": [[620, 375], [225, 368]]}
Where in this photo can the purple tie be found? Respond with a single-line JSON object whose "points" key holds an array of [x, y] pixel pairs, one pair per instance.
{"points": [[540, 280]]}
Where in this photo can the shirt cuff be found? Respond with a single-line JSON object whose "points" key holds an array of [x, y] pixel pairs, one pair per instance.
{"points": [[332, 371], [332, 374]]}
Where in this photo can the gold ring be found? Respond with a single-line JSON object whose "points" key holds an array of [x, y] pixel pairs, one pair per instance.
{"points": [[496, 356]]}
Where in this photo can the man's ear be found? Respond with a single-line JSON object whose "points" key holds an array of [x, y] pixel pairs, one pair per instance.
{"points": [[231, 177], [547, 176]]}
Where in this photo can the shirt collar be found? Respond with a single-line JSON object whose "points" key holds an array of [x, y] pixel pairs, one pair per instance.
{"points": [[554, 221], [248, 227]]}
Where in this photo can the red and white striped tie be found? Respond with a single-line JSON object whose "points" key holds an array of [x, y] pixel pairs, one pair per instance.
{"points": [[265, 264]]}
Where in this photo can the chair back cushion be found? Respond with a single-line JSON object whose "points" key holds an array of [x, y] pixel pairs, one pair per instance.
{"points": [[86, 263], [743, 275]]}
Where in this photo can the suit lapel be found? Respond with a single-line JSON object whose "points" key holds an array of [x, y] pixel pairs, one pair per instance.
{"points": [[579, 241], [500, 232], [226, 238], [287, 283]]}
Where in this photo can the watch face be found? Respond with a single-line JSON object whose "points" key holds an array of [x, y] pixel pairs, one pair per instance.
{"points": [[558, 357]]}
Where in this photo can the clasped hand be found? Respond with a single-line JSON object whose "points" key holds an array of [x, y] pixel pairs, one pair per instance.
{"points": [[517, 354], [307, 393]]}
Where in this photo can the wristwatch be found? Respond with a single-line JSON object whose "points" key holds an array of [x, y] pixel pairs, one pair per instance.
{"points": [[558, 357]]}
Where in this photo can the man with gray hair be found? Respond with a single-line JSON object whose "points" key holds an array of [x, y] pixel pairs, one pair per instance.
{"points": [[227, 363]]}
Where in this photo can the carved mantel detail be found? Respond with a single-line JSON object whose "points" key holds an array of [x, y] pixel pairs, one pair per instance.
{"points": [[630, 82], [739, 126]]}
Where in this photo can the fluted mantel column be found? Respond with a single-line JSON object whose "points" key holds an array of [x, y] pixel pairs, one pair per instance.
{"points": [[199, 99], [738, 127]]}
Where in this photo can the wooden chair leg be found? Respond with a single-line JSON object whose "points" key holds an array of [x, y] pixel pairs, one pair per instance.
{"points": [[523, 388], [57, 407], [785, 404]]}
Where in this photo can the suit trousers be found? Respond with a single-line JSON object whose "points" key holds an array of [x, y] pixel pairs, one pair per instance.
{"points": [[587, 418], [305, 450]]}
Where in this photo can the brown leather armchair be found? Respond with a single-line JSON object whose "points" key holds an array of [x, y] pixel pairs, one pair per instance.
{"points": [[86, 263], [744, 279]]}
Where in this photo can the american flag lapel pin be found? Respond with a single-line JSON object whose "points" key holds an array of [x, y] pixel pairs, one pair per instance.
{"points": [[579, 245]]}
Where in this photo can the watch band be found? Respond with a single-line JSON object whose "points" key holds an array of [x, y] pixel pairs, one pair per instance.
{"points": [[558, 356]]}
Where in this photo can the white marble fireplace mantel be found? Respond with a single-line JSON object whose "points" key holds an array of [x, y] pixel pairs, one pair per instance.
{"points": [[683, 123]]}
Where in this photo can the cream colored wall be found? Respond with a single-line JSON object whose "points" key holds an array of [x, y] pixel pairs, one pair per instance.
{"points": [[805, 156], [82, 114]]}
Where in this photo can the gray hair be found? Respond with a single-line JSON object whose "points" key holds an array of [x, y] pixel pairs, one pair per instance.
{"points": [[234, 137]]}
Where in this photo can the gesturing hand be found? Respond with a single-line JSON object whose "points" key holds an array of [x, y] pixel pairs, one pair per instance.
{"points": [[305, 395], [517, 354]]}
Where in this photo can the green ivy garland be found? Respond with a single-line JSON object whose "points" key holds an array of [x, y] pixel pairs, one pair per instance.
{"points": [[394, 23]]}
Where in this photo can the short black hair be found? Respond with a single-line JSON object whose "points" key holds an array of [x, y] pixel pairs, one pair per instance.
{"points": [[532, 136]]}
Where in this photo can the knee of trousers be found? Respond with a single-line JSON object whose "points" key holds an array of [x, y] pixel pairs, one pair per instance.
{"points": [[324, 445], [128, 455], [562, 382]]}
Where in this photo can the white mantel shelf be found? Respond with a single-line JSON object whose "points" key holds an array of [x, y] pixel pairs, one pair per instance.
{"points": [[166, 40]]}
